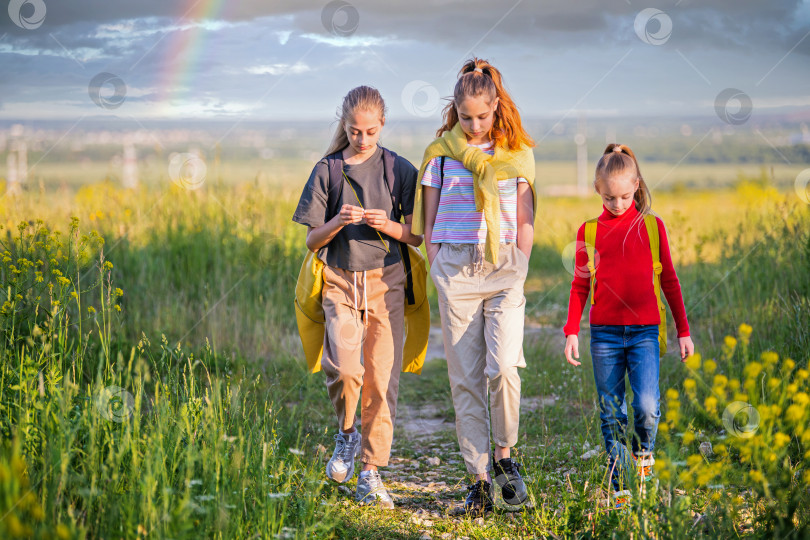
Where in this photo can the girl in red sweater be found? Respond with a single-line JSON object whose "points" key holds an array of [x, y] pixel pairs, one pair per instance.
{"points": [[625, 314]]}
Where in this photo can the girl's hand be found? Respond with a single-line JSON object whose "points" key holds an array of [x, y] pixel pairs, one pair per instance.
{"points": [[350, 214], [376, 219], [572, 349], [432, 251], [687, 347]]}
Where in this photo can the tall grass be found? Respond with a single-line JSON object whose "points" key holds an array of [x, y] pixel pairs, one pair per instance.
{"points": [[151, 383]]}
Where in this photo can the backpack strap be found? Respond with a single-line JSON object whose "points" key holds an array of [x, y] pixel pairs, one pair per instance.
{"points": [[590, 247], [655, 250], [441, 169], [334, 184], [389, 161]]}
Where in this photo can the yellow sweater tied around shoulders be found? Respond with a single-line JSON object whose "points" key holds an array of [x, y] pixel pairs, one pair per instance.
{"points": [[487, 171]]}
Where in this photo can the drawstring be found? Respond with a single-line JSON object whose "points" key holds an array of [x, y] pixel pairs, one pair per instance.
{"points": [[356, 309], [478, 259], [365, 297]]}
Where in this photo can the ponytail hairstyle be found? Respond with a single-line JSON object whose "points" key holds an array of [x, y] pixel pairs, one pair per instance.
{"points": [[616, 159], [480, 78], [362, 98]]}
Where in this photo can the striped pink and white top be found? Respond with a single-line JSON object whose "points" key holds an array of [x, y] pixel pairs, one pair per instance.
{"points": [[457, 221]]}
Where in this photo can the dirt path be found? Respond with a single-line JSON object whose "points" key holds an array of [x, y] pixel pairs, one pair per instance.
{"points": [[432, 486]]}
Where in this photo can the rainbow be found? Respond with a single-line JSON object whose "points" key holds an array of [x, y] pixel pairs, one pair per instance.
{"points": [[185, 51]]}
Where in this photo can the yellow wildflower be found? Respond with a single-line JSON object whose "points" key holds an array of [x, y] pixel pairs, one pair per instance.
{"points": [[801, 399], [753, 369], [711, 404], [802, 374], [689, 385], [744, 331], [672, 394], [709, 366], [693, 362], [773, 383], [688, 437], [720, 381], [780, 440], [733, 385], [788, 364], [769, 357], [794, 413], [756, 476]]}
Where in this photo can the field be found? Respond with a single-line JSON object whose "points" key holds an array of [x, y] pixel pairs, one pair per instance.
{"points": [[152, 383]]}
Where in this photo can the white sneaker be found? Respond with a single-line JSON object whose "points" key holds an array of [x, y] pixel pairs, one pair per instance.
{"points": [[341, 467]]}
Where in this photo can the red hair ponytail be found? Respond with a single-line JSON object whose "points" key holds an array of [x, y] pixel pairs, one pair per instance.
{"points": [[478, 77]]}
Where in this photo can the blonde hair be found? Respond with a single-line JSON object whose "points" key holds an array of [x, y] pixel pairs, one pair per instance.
{"points": [[616, 159], [478, 77], [362, 98]]}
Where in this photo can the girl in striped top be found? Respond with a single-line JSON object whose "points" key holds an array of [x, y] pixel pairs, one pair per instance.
{"points": [[477, 183]]}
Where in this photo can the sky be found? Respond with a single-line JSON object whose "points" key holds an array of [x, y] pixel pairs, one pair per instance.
{"points": [[295, 60]]}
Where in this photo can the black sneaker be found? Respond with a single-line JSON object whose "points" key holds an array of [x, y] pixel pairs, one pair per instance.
{"points": [[479, 500], [506, 473]]}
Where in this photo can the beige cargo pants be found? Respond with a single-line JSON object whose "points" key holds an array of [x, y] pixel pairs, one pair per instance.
{"points": [[482, 310], [365, 314]]}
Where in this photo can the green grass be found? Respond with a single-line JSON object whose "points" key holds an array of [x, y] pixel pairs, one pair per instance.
{"points": [[221, 436]]}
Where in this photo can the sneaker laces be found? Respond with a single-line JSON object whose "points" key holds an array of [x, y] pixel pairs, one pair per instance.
{"points": [[342, 448], [374, 481], [511, 467], [477, 488]]}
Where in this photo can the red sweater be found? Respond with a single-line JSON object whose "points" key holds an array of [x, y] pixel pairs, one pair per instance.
{"points": [[624, 289]]}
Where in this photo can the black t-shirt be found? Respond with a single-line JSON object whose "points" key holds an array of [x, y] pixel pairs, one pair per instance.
{"points": [[357, 247]]}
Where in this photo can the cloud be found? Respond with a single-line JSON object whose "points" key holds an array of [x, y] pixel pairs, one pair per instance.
{"points": [[279, 69]]}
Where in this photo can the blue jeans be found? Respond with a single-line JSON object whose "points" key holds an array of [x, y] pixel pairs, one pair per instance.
{"points": [[633, 350]]}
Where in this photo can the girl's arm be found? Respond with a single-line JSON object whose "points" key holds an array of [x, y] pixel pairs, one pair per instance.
{"points": [[671, 288], [378, 219], [317, 237], [580, 286], [432, 195], [525, 219]]}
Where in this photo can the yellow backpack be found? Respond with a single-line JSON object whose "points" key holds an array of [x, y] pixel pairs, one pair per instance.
{"points": [[655, 249]]}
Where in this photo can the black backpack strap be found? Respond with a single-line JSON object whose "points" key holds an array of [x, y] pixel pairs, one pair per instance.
{"points": [[389, 160], [334, 185], [441, 169]]}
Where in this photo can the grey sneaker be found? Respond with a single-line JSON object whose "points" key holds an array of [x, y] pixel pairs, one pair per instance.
{"points": [[370, 490], [341, 467]]}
